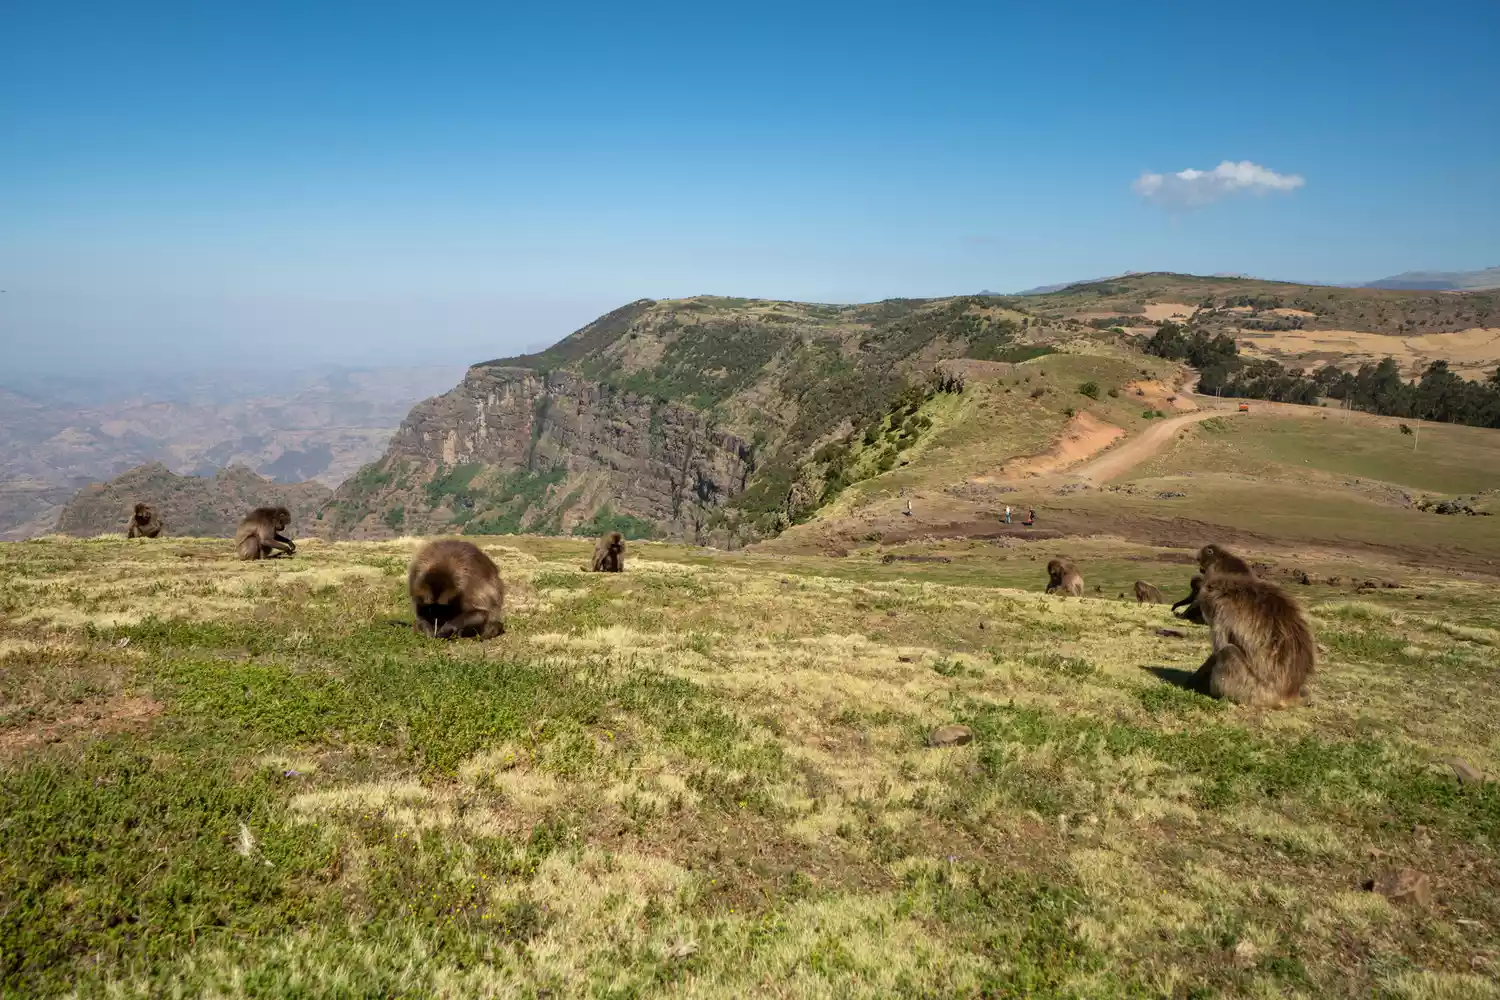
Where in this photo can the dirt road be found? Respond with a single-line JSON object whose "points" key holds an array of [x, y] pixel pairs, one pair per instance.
{"points": [[1135, 451]]}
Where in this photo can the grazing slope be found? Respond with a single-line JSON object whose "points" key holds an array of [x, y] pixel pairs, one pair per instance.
{"points": [[1139, 460], [707, 777]]}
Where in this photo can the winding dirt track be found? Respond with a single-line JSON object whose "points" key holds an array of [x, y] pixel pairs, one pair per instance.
{"points": [[1133, 452]]}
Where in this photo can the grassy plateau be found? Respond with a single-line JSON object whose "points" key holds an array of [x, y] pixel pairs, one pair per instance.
{"points": [[708, 777]]}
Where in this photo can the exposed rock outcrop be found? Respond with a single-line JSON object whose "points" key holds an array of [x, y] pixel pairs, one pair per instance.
{"points": [[524, 449]]}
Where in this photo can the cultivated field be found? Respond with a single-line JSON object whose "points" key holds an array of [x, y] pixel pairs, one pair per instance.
{"points": [[708, 777]]}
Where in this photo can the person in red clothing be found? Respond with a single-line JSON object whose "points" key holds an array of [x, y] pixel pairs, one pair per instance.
{"points": [[1030, 516]]}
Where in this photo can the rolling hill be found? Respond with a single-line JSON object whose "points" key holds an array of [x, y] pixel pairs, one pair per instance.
{"points": [[726, 420]]}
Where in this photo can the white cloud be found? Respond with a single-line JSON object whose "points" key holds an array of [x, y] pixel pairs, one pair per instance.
{"points": [[1190, 188]]}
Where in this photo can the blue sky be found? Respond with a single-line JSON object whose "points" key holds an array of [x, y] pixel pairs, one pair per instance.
{"points": [[451, 182]]}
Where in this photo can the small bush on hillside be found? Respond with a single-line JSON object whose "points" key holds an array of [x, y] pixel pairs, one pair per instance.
{"points": [[1070, 413], [1038, 392], [1114, 393], [1089, 389]]}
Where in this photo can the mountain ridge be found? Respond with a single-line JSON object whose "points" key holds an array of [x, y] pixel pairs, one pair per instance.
{"points": [[723, 419]]}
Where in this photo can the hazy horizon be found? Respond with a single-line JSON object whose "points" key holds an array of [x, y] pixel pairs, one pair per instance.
{"points": [[376, 184]]}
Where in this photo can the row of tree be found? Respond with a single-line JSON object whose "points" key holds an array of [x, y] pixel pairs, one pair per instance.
{"points": [[1439, 394]]}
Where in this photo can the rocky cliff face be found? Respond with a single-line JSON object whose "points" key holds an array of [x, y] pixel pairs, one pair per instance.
{"points": [[518, 449], [192, 506]]}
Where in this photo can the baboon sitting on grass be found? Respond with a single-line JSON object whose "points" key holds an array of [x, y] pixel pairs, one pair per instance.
{"points": [[1263, 649], [1062, 576], [609, 554], [259, 535], [1146, 594], [143, 523]]}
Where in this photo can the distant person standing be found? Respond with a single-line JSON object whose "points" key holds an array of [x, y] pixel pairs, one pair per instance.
{"points": [[1030, 516], [1007, 513]]}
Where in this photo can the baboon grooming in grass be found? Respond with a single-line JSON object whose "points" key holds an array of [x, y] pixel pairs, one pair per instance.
{"points": [[1146, 594], [1062, 576], [259, 535], [609, 553], [1216, 559], [455, 591], [143, 523], [1189, 604], [1263, 649]]}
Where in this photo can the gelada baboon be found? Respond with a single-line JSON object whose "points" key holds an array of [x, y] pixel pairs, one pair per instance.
{"points": [[1062, 576], [1146, 594], [143, 523], [1216, 559], [455, 591], [609, 554], [1189, 604], [1263, 649], [259, 535]]}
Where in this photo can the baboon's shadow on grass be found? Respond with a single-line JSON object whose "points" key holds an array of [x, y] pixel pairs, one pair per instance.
{"points": [[1177, 677]]}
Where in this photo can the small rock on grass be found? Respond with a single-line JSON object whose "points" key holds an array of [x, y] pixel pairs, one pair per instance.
{"points": [[950, 736], [1171, 633], [1403, 886], [1466, 773]]}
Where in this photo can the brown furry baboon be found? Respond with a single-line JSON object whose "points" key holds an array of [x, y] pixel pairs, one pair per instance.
{"points": [[1263, 649], [609, 554], [1189, 604], [1062, 576], [1217, 559], [143, 523], [259, 535], [1146, 594], [456, 591]]}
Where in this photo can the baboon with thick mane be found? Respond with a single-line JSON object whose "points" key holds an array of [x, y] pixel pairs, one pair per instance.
{"points": [[259, 535], [1263, 648], [1217, 559], [143, 523], [1146, 594], [456, 591], [609, 553], [1062, 576], [1189, 604]]}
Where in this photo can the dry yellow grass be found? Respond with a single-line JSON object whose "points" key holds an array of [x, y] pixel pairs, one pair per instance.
{"points": [[707, 777]]}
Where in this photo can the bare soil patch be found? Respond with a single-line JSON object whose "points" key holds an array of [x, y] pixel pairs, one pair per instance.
{"points": [[1084, 435], [978, 529], [1158, 311], [1471, 353], [88, 720]]}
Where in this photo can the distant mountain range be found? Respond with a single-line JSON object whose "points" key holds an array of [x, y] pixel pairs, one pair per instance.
{"points": [[1428, 281], [1441, 281], [58, 434]]}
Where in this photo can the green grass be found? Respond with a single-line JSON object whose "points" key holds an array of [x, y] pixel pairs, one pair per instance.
{"points": [[707, 777], [1449, 458]]}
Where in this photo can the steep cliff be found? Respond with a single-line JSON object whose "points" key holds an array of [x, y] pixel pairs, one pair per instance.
{"points": [[514, 449], [193, 506]]}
